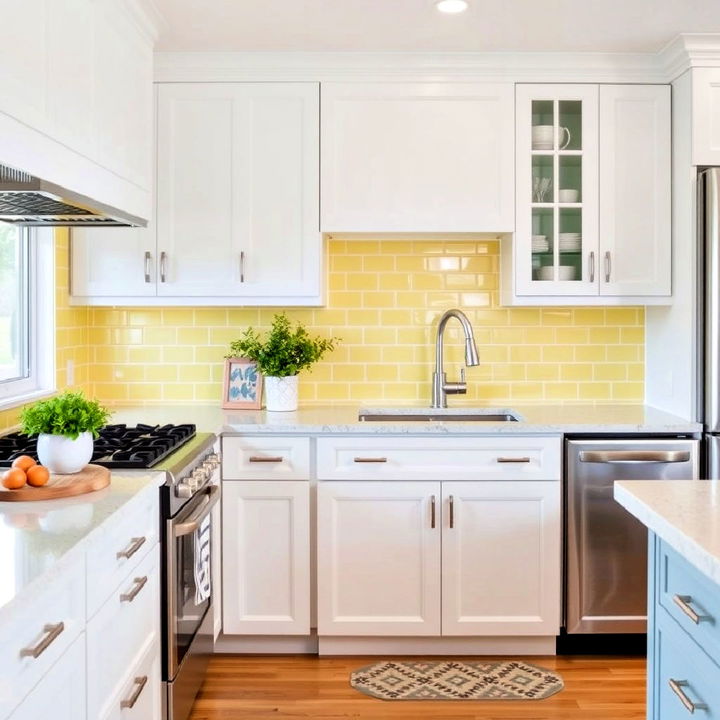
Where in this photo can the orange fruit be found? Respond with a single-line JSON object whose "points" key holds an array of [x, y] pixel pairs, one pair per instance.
{"points": [[14, 478], [37, 475], [23, 462]]}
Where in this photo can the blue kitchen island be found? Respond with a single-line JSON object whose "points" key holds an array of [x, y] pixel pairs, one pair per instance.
{"points": [[683, 519]]}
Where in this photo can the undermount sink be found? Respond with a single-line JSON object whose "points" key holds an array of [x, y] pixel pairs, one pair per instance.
{"points": [[441, 415]]}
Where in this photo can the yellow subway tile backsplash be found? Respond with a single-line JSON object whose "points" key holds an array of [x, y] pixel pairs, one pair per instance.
{"points": [[384, 299]]}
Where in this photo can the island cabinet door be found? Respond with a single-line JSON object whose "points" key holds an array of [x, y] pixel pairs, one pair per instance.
{"points": [[379, 558], [501, 558], [266, 557]]}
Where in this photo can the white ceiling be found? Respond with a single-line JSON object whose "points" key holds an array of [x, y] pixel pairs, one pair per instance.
{"points": [[415, 25]]}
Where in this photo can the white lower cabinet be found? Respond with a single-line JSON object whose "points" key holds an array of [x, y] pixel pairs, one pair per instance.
{"points": [[379, 558], [392, 554], [501, 558], [60, 694], [266, 557], [126, 625]]}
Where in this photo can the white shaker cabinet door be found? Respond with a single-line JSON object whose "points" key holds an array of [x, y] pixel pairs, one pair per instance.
{"points": [[635, 171], [417, 157], [60, 694], [112, 262], [238, 190], [266, 557], [378, 558], [705, 114], [501, 558]]}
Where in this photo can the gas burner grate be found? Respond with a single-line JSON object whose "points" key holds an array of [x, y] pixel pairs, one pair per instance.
{"points": [[119, 446]]}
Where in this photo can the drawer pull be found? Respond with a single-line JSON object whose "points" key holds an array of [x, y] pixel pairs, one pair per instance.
{"points": [[51, 634], [370, 460], [513, 459], [139, 585], [683, 602], [139, 683], [677, 687], [260, 459], [432, 512], [135, 544], [452, 511]]}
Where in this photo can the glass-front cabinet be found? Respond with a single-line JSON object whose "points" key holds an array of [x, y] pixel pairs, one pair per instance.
{"points": [[557, 190]]}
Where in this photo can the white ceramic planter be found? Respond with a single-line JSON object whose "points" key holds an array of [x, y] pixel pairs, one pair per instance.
{"points": [[60, 454], [281, 393]]}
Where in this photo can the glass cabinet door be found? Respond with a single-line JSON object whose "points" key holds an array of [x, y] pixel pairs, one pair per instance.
{"points": [[556, 224]]}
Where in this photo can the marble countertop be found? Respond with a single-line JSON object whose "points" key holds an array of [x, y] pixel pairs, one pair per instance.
{"points": [[684, 513], [344, 419], [39, 538]]}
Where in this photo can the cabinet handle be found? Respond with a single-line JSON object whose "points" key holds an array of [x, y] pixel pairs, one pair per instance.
{"points": [[683, 602], [592, 266], [163, 258], [608, 266], [432, 512], [677, 687], [634, 456], [148, 258], [259, 459], [452, 511], [242, 266], [135, 544], [513, 459], [370, 459], [140, 683], [139, 585], [52, 633]]}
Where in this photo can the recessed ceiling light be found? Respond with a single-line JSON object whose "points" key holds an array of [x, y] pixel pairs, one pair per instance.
{"points": [[452, 7]]}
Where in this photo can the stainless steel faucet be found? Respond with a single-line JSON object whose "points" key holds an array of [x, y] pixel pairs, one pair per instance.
{"points": [[441, 387]]}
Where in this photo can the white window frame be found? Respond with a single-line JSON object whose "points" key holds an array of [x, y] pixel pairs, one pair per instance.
{"points": [[41, 324]]}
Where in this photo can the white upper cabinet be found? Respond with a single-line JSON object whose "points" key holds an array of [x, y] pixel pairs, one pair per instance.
{"points": [[557, 189], [237, 188], [417, 157], [237, 219], [635, 202], [705, 114], [593, 196]]}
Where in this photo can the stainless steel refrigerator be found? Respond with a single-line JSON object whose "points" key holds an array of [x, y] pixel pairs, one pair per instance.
{"points": [[708, 355]]}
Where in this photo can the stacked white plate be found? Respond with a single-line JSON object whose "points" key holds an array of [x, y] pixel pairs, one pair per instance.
{"points": [[540, 243], [569, 242]]}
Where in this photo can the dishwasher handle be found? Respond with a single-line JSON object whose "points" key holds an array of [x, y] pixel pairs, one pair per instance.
{"points": [[634, 456]]}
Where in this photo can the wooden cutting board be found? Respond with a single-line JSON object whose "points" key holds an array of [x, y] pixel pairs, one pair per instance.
{"points": [[89, 479]]}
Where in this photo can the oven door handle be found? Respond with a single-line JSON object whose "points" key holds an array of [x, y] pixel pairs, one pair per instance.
{"points": [[193, 522]]}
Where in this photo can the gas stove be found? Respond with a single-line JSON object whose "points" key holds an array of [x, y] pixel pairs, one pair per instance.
{"points": [[118, 447]]}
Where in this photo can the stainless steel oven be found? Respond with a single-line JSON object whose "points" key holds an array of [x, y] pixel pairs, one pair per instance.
{"points": [[188, 586]]}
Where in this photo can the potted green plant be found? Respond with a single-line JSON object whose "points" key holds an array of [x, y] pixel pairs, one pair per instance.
{"points": [[280, 356], [66, 426]]}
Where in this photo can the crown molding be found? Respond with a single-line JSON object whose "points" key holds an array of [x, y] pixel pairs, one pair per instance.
{"points": [[686, 51], [435, 67], [690, 50]]}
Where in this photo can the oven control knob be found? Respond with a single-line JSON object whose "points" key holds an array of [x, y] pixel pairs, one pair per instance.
{"points": [[198, 477], [214, 458], [208, 467], [183, 490]]}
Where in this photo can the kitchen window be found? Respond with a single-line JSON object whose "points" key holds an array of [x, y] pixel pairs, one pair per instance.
{"points": [[27, 347]]}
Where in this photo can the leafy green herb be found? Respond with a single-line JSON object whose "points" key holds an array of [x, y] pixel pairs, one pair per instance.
{"points": [[285, 351], [68, 414]]}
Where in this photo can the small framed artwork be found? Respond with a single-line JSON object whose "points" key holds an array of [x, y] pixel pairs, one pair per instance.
{"points": [[242, 389]]}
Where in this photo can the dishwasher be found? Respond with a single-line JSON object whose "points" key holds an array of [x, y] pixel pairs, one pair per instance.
{"points": [[606, 547]]}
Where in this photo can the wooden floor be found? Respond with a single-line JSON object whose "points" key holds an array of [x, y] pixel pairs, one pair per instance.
{"points": [[261, 687]]}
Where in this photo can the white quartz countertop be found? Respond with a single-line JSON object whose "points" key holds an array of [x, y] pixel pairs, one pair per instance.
{"points": [[39, 538], [344, 419], [684, 513]]}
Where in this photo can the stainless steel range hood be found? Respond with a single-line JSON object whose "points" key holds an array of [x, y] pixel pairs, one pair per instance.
{"points": [[32, 202]]}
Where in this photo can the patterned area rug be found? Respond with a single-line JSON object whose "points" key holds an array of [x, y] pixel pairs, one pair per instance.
{"points": [[456, 680]]}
